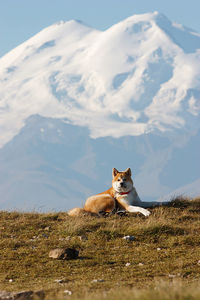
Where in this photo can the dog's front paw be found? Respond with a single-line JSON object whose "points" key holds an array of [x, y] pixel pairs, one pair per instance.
{"points": [[146, 213], [135, 209]]}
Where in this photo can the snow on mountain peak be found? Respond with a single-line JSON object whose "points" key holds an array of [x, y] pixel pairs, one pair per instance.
{"points": [[141, 75]]}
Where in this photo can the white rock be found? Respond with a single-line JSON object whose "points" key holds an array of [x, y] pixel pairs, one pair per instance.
{"points": [[58, 280], [129, 238], [97, 280], [83, 237], [171, 275], [68, 292]]}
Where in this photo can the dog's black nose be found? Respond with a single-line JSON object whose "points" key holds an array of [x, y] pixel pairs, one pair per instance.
{"points": [[121, 184]]}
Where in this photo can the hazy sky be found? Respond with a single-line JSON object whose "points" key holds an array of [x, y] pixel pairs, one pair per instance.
{"points": [[21, 19]]}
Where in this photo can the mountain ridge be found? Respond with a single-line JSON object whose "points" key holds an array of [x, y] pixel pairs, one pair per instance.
{"points": [[114, 78]]}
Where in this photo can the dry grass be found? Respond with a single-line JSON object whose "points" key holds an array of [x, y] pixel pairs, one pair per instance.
{"points": [[166, 249], [160, 291]]}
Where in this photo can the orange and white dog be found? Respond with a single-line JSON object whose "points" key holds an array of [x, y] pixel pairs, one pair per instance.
{"points": [[121, 195]]}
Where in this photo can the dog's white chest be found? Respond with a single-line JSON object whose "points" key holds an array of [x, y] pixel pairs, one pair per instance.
{"points": [[130, 198]]}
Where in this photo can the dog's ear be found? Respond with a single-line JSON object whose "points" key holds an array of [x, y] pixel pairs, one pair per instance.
{"points": [[128, 172], [114, 172]]}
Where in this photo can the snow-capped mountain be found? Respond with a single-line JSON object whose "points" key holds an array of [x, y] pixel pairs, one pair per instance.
{"points": [[75, 102]]}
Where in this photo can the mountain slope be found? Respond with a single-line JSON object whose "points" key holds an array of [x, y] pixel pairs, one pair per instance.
{"points": [[136, 84]]}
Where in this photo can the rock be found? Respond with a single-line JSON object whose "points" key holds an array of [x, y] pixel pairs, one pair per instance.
{"points": [[5, 295], [68, 292], [64, 253], [24, 295], [171, 275], [83, 237], [140, 264], [29, 295], [129, 238], [59, 280], [128, 264], [97, 280], [44, 235]]}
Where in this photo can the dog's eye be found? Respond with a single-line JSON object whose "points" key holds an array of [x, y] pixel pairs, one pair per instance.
{"points": [[124, 179], [118, 179]]}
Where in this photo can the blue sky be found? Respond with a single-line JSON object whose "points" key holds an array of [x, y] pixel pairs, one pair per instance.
{"points": [[21, 19]]}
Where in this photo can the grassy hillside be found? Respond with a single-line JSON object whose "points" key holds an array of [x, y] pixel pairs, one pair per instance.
{"points": [[163, 260]]}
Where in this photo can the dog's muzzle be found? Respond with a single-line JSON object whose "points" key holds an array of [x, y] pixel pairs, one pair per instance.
{"points": [[123, 184]]}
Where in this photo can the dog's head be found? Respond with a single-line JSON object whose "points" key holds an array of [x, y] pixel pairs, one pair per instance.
{"points": [[122, 182]]}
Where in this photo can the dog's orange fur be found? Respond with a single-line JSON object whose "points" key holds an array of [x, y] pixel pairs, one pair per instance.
{"points": [[106, 201]]}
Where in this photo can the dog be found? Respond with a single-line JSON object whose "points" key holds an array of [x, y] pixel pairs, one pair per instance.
{"points": [[122, 196]]}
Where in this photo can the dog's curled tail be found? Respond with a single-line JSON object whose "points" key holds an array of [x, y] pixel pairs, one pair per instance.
{"points": [[78, 212]]}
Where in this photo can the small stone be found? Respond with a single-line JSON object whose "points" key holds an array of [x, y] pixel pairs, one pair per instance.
{"points": [[158, 249], [83, 237], [64, 253], [23, 295], [140, 264], [45, 235], [10, 280], [68, 292], [171, 276], [97, 280], [5, 295], [47, 228], [127, 264], [59, 280], [129, 238], [110, 262]]}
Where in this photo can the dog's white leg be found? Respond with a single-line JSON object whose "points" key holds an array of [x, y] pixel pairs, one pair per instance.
{"points": [[143, 211]]}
